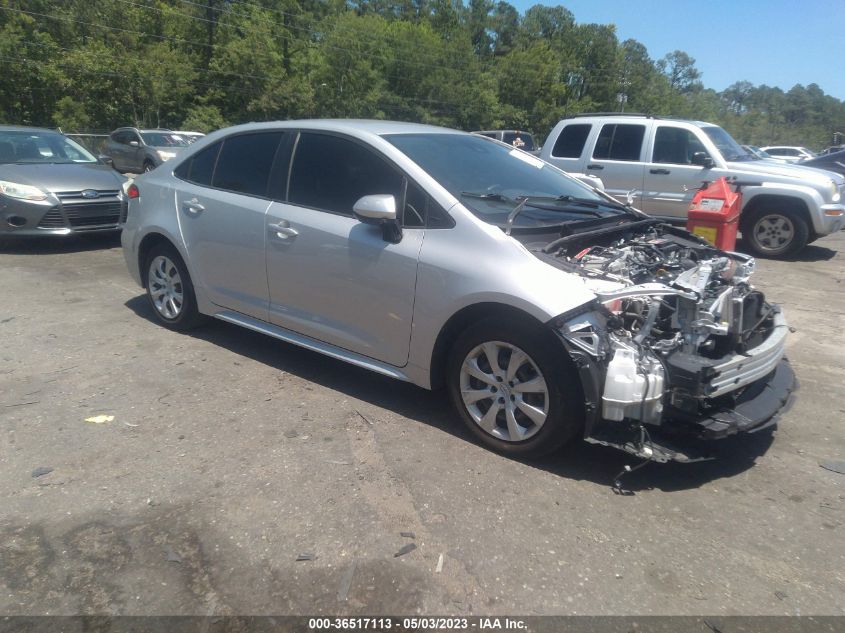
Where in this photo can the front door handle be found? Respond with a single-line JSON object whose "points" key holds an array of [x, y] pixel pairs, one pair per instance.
{"points": [[193, 206], [283, 230], [660, 172], [595, 166]]}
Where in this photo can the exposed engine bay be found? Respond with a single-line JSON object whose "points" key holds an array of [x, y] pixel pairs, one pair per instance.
{"points": [[678, 334]]}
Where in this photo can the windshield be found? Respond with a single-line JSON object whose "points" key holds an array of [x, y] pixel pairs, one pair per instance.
{"points": [[723, 141], [164, 139], [36, 146], [490, 179]]}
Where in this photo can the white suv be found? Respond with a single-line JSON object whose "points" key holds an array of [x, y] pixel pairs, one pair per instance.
{"points": [[664, 161], [789, 153]]}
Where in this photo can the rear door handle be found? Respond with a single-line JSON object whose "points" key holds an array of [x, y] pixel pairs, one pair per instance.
{"points": [[193, 206], [660, 172], [595, 166], [283, 230]]}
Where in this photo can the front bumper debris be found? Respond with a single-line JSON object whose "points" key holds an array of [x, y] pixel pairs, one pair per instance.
{"points": [[758, 407]]}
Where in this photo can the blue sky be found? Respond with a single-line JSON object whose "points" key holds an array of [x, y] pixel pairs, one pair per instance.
{"points": [[774, 42]]}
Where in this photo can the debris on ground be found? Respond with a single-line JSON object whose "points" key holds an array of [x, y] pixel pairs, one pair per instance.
{"points": [[20, 404], [439, 567], [291, 434], [410, 547], [363, 417], [100, 419], [306, 556], [834, 465], [171, 555], [346, 583], [780, 595], [407, 535], [41, 471], [712, 627], [338, 462]]}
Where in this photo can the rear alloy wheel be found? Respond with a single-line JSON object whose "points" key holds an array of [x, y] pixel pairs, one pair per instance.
{"points": [[148, 166], [774, 233], [170, 291], [513, 388]]}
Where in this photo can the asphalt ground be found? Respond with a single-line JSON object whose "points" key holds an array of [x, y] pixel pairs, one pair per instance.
{"points": [[231, 454]]}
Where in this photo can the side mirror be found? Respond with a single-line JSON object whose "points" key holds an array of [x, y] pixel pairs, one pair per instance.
{"points": [[701, 158], [380, 210], [134, 144], [105, 160]]}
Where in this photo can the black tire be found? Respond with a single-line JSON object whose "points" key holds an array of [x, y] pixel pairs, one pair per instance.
{"points": [[187, 317], [764, 238], [563, 399], [148, 166]]}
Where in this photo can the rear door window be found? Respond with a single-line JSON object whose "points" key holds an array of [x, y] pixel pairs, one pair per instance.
{"points": [[332, 173], [620, 142], [244, 163], [570, 143]]}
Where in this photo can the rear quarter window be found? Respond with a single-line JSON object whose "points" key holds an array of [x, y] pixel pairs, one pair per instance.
{"points": [[570, 142]]}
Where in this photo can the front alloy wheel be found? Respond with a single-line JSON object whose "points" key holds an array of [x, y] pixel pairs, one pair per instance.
{"points": [[504, 392], [514, 386]]}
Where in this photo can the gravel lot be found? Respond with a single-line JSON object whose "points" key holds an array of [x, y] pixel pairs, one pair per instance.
{"points": [[230, 454]]}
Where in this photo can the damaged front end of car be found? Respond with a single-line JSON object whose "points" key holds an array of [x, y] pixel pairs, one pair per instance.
{"points": [[678, 343]]}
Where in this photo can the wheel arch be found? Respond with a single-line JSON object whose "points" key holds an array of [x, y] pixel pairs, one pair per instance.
{"points": [[775, 202], [149, 241], [461, 320]]}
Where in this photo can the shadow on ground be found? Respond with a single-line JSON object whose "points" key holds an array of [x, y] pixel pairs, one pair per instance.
{"points": [[57, 244], [810, 253], [578, 460]]}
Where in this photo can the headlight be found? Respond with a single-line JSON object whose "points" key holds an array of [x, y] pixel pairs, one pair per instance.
{"points": [[24, 192], [166, 155], [834, 192]]}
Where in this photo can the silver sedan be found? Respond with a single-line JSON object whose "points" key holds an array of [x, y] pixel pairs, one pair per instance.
{"points": [[546, 308]]}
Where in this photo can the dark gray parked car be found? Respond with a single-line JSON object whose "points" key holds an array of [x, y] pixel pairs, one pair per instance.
{"points": [[50, 184], [133, 150]]}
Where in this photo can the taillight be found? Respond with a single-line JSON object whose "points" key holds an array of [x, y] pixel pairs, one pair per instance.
{"points": [[133, 192]]}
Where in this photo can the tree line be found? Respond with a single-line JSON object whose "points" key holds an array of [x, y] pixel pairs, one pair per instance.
{"points": [[204, 64]]}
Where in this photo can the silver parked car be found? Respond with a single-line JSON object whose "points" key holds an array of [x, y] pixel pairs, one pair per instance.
{"points": [[548, 309], [136, 151], [49, 184]]}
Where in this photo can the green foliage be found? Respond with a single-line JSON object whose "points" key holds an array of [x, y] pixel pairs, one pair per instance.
{"points": [[70, 115], [203, 118], [203, 64]]}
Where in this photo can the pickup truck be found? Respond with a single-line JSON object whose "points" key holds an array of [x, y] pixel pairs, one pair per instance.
{"points": [[658, 164]]}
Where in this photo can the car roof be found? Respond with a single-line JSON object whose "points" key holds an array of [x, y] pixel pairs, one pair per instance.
{"points": [[351, 126], [639, 117], [27, 128]]}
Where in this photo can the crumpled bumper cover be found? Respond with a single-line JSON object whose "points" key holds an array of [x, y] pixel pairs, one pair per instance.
{"points": [[758, 407]]}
